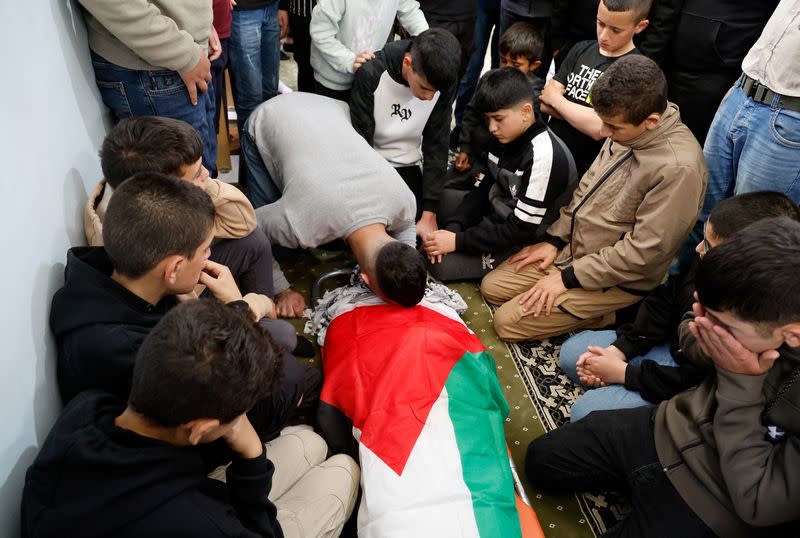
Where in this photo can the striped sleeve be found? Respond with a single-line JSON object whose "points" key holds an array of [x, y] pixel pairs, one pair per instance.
{"points": [[531, 205], [547, 186]]}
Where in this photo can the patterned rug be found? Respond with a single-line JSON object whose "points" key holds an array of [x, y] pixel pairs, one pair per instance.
{"points": [[553, 393]]}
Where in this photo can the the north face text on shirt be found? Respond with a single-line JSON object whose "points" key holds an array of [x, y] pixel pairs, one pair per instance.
{"points": [[579, 85]]}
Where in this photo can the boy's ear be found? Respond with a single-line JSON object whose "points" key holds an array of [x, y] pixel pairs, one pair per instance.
{"points": [[197, 430], [527, 111], [534, 65], [641, 26], [365, 277], [791, 334], [172, 268], [652, 120]]}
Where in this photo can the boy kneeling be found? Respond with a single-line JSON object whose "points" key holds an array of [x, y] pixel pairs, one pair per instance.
{"points": [[141, 470], [630, 213], [530, 176]]}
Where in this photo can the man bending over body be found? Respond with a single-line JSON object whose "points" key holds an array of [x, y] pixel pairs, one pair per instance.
{"points": [[344, 190]]}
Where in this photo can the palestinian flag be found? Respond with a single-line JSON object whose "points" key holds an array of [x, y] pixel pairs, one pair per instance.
{"points": [[417, 390]]}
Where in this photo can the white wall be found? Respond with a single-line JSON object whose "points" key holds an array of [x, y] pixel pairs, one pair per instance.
{"points": [[51, 125]]}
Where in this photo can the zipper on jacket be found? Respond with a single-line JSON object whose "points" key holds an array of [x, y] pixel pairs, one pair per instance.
{"points": [[594, 189]]}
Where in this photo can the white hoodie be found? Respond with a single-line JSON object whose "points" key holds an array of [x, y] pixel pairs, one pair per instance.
{"points": [[343, 29]]}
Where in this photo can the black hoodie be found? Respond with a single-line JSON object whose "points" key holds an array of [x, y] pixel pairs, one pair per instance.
{"points": [[99, 326], [94, 479]]}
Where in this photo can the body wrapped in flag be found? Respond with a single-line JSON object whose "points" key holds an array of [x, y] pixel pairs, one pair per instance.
{"points": [[413, 394]]}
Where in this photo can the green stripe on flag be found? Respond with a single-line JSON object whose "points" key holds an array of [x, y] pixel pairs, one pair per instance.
{"points": [[477, 410]]}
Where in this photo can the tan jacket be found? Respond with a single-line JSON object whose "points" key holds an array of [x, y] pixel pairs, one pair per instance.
{"points": [[633, 208], [235, 217], [715, 446], [149, 34]]}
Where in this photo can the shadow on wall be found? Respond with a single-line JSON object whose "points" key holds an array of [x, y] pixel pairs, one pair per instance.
{"points": [[76, 99], [75, 49]]}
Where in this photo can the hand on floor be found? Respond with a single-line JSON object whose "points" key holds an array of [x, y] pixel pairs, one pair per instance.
{"points": [[290, 304], [601, 366]]}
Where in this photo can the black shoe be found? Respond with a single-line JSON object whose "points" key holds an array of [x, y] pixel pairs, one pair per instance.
{"points": [[284, 56], [304, 348]]}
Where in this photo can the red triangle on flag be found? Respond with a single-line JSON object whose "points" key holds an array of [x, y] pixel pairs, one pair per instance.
{"points": [[385, 366]]}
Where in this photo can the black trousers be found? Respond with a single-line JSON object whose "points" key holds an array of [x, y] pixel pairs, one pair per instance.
{"points": [[412, 175], [302, 51], [614, 450], [250, 261], [341, 95], [464, 32]]}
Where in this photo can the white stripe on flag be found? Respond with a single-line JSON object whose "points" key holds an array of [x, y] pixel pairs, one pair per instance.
{"points": [[430, 499]]}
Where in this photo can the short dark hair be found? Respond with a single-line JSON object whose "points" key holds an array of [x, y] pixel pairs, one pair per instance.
{"points": [[753, 273], [522, 39], [640, 8], [204, 359], [401, 273], [436, 55], [152, 216], [633, 86], [501, 88], [734, 214], [148, 144]]}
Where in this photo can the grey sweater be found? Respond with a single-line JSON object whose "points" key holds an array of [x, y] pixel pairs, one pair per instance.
{"points": [[149, 35], [333, 183]]}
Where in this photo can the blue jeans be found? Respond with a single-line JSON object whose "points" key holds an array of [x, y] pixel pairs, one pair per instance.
{"points": [[128, 92], [254, 49], [751, 146], [488, 17], [261, 188], [613, 396]]}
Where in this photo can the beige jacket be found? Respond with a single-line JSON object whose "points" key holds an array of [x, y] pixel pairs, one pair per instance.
{"points": [[235, 217], [715, 445], [633, 209], [149, 34]]}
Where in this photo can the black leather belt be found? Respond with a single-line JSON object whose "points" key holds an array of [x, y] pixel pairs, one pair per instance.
{"points": [[761, 94]]}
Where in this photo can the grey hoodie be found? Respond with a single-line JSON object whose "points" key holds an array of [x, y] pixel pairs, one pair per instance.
{"points": [[333, 183]]}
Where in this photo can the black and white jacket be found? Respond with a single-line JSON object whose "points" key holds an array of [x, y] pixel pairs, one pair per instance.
{"points": [[527, 181], [402, 128]]}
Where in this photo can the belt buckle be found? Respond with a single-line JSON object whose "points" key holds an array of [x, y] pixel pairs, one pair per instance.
{"points": [[760, 92]]}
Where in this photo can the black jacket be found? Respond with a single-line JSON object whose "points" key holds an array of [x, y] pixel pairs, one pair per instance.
{"points": [[696, 36], [449, 10], [435, 136], [99, 326], [246, 5], [527, 181], [573, 21], [657, 320], [94, 479]]}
